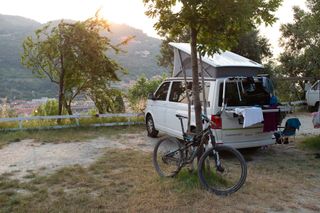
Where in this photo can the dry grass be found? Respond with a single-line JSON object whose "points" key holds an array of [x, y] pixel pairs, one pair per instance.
{"points": [[66, 135], [280, 179]]}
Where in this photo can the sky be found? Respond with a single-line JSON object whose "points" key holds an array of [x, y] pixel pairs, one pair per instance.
{"points": [[130, 12]]}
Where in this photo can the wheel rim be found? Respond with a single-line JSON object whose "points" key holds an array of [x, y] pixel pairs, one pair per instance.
{"points": [[168, 158], [224, 178]]}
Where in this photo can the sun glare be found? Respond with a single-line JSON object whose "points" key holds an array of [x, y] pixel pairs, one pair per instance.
{"points": [[130, 12]]}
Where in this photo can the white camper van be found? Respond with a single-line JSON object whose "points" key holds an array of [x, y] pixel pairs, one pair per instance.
{"points": [[313, 95], [231, 82]]}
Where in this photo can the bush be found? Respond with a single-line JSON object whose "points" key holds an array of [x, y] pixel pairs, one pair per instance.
{"points": [[49, 108], [138, 93]]}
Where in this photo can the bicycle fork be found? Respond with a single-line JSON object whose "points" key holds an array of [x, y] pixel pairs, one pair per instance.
{"points": [[217, 160]]}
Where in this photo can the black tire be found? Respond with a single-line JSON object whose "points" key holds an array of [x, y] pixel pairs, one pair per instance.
{"points": [[229, 177], [167, 157], [152, 132]]}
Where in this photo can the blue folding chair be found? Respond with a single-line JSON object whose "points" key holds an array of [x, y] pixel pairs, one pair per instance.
{"points": [[289, 130]]}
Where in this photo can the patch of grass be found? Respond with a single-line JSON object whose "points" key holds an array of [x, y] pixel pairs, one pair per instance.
{"points": [[66, 135], [312, 143], [125, 181], [187, 180]]}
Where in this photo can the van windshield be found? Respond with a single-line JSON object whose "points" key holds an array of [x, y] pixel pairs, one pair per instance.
{"points": [[244, 93]]}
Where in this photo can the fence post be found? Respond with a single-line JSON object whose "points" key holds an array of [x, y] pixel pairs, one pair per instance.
{"points": [[20, 124], [77, 120]]}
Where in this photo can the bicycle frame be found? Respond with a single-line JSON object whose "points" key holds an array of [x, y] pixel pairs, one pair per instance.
{"points": [[191, 141]]}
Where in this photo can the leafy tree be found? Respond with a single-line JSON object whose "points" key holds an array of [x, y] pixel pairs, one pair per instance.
{"points": [[72, 55], [253, 46], [213, 26], [107, 100], [138, 93], [301, 43]]}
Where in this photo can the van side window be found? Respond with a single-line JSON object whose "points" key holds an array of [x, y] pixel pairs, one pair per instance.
{"points": [[161, 94], [178, 92]]}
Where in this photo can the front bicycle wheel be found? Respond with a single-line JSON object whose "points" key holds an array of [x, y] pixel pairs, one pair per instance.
{"points": [[167, 157], [222, 170]]}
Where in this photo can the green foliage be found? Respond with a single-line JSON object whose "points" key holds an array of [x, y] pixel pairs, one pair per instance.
{"points": [[301, 44], [253, 46], [47, 109], [107, 100], [72, 55], [301, 48], [217, 23], [311, 143], [138, 93]]}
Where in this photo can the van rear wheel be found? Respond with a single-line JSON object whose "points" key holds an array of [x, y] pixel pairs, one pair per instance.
{"points": [[152, 132]]}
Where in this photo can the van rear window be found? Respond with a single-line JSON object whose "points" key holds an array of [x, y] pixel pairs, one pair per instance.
{"points": [[244, 94]]}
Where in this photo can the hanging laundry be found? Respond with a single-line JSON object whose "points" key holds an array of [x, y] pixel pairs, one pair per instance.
{"points": [[270, 123], [251, 116]]}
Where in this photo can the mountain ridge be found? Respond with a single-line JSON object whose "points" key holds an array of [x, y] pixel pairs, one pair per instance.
{"points": [[16, 82]]}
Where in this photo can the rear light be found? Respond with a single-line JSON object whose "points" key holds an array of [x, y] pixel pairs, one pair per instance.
{"points": [[217, 122]]}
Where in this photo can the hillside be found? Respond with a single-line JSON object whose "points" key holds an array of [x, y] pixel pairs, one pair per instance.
{"points": [[16, 82]]}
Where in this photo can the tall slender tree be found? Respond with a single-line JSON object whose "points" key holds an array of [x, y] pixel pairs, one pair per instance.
{"points": [[214, 25]]}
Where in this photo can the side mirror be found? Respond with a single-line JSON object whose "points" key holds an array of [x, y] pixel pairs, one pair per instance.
{"points": [[151, 97]]}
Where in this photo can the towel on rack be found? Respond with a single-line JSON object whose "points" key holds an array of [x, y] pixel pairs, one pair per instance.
{"points": [[251, 115]]}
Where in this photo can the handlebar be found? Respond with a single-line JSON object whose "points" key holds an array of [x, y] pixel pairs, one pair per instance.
{"points": [[203, 117]]}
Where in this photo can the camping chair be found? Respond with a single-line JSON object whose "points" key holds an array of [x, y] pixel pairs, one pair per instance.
{"points": [[292, 124]]}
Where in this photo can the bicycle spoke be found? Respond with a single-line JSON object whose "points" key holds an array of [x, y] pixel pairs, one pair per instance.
{"points": [[224, 172], [167, 157]]}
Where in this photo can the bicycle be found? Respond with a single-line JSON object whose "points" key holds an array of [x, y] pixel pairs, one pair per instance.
{"points": [[221, 169]]}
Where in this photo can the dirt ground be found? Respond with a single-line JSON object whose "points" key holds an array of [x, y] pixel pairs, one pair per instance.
{"points": [[269, 169], [28, 156]]}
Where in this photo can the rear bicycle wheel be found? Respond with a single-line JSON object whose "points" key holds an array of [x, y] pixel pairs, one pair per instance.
{"points": [[226, 178], [167, 157]]}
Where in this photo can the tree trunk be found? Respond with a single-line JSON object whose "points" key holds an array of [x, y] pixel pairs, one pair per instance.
{"points": [[68, 108], [61, 79], [195, 85], [61, 94], [195, 80]]}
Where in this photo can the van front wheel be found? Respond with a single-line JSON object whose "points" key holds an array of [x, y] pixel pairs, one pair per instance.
{"points": [[152, 132]]}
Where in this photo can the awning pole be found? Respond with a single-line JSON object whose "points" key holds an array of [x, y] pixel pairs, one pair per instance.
{"points": [[187, 91], [203, 86]]}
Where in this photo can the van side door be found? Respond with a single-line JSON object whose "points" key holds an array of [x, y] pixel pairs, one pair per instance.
{"points": [[159, 105], [178, 104], [313, 95]]}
